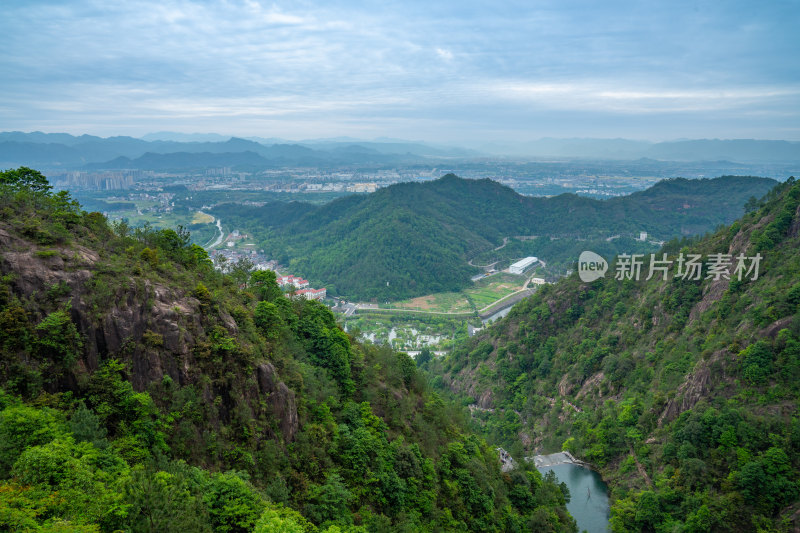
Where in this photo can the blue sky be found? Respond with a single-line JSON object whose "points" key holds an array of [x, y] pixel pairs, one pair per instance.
{"points": [[457, 72]]}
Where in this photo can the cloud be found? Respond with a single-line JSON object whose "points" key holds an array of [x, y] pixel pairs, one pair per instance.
{"points": [[447, 55], [518, 66], [606, 96]]}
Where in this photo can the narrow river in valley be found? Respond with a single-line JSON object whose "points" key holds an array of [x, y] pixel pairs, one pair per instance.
{"points": [[220, 237], [588, 496]]}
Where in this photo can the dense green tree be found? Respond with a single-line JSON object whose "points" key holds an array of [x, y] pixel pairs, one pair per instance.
{"points": [[86, 426], [233, 505], [412, 239], [265, 284], [24, 178], [267, 318], [281, 521], [164, 501], [329, 502], [22, 427], [59, 339]]}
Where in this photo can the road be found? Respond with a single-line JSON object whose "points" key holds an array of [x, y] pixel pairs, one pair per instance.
{"points": [[505, 241], [490, 265], [482, 266], [498, 305]]}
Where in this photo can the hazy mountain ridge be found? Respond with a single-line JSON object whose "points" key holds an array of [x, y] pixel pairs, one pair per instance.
{"points": [[91, 152], [64, 150], [736, 150]]}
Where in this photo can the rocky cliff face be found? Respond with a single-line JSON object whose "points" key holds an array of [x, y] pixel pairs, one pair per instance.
{"points": [[154, 328]]}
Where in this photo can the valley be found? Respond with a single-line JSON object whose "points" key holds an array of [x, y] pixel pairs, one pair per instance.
{"points": [[395, 261], [464, 268]]}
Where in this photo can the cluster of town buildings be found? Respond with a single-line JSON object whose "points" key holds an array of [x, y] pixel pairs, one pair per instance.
{"points": [[232, 255], [96, 181], [301, 287], [294, 285]]}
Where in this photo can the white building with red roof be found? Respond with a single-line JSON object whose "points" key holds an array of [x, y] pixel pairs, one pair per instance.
{"points": [[312, 294], [298, 282]]}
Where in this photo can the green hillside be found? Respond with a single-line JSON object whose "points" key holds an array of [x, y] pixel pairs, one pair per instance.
{"points": [[141, 390], [683, 392], [412, 239]]}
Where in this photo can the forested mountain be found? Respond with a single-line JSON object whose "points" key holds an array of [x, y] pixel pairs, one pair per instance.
{"points": [[416, 238], [141, 390], [683, 392]]}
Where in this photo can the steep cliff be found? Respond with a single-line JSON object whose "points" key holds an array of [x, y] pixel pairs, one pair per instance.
{"points": [[153, 325]]}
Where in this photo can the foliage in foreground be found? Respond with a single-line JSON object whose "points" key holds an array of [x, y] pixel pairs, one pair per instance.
{"points": [[83, 449]]}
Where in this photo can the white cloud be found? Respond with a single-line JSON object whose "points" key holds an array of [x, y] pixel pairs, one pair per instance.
{"points": [[489, 67], [447, 55], [602, 96]]}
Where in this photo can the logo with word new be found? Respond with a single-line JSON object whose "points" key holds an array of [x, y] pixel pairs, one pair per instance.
{"points": [[591, 266]]}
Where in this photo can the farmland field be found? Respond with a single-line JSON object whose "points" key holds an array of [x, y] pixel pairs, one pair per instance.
{"points": [[443, 302], [483, 293], [491, 289], [202, 218]]}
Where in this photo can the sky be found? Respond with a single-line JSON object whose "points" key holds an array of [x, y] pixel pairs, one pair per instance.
{"points": [[457, 72]]}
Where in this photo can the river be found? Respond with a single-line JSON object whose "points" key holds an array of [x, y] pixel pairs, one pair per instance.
{"points": [[589, 496], [219, 238]]}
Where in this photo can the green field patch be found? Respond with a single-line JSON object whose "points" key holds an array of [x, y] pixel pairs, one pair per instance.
{"points": [[202, 218], [483, 293], [491, 289]]}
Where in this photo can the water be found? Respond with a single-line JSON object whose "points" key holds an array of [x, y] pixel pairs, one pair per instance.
{"points": [[589, 496]]}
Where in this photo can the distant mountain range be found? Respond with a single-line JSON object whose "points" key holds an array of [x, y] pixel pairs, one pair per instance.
{"points": [[411, 239], [188, 152], [736, 150], [88, 152]]}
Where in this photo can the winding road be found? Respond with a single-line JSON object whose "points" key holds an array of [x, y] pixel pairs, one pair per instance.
{"points": [[505, 241]]}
